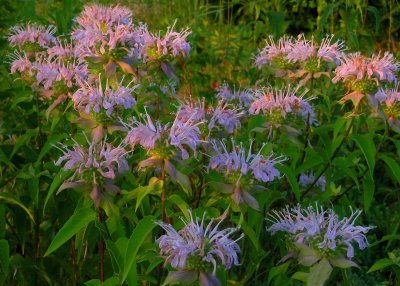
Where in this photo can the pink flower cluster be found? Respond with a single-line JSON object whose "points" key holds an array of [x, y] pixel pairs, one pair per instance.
{"points": [[207, 243], [355, 67], [299, 50], [89, 98], [282, 101], [104, 158], [102, 30], [244, 162], [388, 97], [150, 135], [320, 229], [224, 114], [243, 97], [32, 33], [49, 70], [307, 179]]}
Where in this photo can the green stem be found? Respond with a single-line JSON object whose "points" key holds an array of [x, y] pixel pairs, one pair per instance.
{"points": [[164, 193], [101, 246]]}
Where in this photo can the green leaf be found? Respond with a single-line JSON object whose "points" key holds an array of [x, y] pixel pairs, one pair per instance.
{"points": [[12, 199], [50, 145], [250, 233], [112, 281], [4, 256], [2, 220], [277, 25], [369, 189], [389, 237], [277, 270], [325, 15], [185, 277], [291, 179], [367, 146], [342, 262], [375, 11], [380, 264], [301, 276], [139, 234], [182, 205], [116, 257], [58, 179], [154, 186], [80, 219], [393, 166], [307, 255], [319, 273], [33, 187], [24, 139]]}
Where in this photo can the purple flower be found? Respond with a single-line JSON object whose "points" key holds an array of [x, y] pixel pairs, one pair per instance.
{"points": [[228, 118], [173, 42], [388, 97], [331, 52], [273, 51], [33, 34], [95, 14], [355, 67], [307, 179], [101, 30], [185, 133], [282, 102], [289, 51], [99, 158], [320, 229], [155, 136], [245, 97], [301, 49], [146, 134], [244, 162], [191, 110], [91, 98], [21, 63], [198, 246], [62, 50]]}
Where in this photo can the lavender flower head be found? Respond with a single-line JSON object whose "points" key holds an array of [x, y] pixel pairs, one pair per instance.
{"points": [[158, 139], [241, 162], [243, 97], [364, 75], [199, 247], [32, 37], [274, 52], [58, 74], [300, 53], [94, 14], [227, 116], [320, 230], [94, 168], [102, 30], [190, 109], [21, 63], [307, 179], [356, 67], [99, 159], [95, 99], [282, 106], [173, 43], [389, 100], [224, 115]]}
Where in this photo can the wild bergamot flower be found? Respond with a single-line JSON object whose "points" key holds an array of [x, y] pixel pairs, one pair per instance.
{"points": [[198, 249]]}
